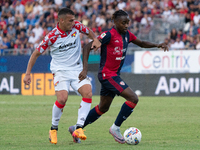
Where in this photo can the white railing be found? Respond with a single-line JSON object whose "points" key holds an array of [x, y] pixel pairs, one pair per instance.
{"points": [[17, 52]]}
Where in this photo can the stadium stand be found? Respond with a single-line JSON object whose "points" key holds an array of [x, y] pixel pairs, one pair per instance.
{"points": [[24, 23]]}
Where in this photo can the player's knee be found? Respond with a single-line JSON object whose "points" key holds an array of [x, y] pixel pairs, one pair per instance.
{"points": [[87, 94], [62, 99], [103, 109], [134, 99]]}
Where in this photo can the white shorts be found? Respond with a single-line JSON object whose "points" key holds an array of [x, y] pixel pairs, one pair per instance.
{"points": [[65, 78]]}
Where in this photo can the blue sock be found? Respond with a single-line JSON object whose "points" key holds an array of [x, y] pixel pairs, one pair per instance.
{"points": [[126, 110], [93, 115]]}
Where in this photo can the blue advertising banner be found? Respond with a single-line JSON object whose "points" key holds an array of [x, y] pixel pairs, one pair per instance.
{"points": [[18, 64]]}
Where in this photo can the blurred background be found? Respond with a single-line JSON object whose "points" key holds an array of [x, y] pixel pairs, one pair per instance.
{"points": [[24, 23]]}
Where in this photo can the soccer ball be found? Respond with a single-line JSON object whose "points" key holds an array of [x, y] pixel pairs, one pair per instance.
{"points": [[132, 136], [138, 93]]}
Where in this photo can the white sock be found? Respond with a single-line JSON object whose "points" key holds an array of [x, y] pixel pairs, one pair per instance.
{"points": [[83, 111], [115, 127], [56, 114]]}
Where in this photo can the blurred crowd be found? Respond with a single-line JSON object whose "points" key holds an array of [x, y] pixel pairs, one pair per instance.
{"points": [[24, 23]]}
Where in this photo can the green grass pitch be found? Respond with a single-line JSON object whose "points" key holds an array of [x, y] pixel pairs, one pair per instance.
{"points": [[166, 123]]}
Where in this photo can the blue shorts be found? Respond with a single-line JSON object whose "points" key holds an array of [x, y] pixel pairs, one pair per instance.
{"points": [[112, 86]]}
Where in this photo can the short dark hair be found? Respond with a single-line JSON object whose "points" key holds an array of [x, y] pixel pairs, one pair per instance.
{"points": [[65, 11], [118, 14]]}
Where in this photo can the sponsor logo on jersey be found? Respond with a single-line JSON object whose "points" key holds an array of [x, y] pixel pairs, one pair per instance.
{"points": [[73, 34], [117, 50], [120, 58], [102, 35], [116, 41], [67, 45]]}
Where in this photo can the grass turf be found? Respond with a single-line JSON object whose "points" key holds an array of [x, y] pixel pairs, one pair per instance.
{"points": [[166, 123]]}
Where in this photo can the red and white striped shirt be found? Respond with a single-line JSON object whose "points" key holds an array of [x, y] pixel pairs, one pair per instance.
{"points": [[65, 47]]}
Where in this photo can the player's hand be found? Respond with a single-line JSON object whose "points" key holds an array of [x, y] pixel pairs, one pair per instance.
{"points": [[96, 44], [27, 79], [163, 46], [82, 75]]}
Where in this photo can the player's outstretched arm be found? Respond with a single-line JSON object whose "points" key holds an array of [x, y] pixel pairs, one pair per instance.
{"points": [[96, 43], [32, 60], [146, 44], [86, 52]]}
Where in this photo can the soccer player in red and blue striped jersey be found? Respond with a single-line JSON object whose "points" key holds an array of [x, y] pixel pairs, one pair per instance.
{"points": [[113, 52]]}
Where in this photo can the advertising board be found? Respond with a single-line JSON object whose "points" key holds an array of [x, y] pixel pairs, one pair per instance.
{"points": [[184, 84], [157, 62]]}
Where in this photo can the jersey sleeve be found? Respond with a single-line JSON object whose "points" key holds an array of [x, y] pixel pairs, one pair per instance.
{"points": [[82, 28], [104, 37], [132, 37], [46, 42]]}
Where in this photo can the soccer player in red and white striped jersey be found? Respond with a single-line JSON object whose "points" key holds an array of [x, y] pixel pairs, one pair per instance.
{"points": [[66, 64]]}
